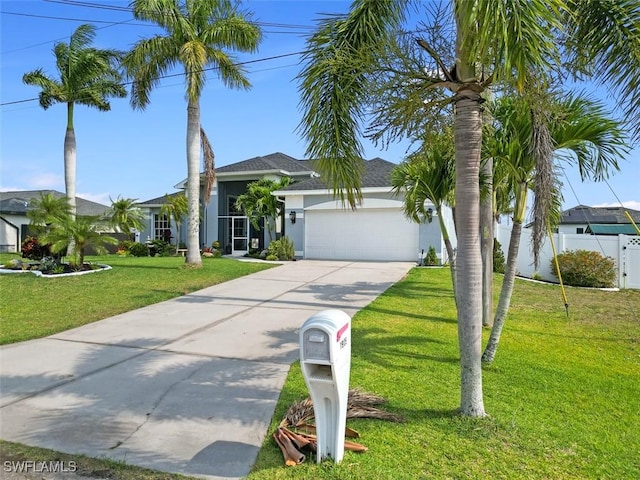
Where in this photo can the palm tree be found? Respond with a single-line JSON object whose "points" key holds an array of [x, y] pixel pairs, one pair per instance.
{"points": [[79, 234], [176, 207], [46, 210], [580, 132], [125, 216], [88, 76], [497, 41], [258, 202], [199, 35], [429, 176]]}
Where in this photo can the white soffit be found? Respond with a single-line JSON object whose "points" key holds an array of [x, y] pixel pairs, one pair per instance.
{"points": [[366, 204]]}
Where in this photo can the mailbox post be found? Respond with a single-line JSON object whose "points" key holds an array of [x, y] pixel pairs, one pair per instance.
{"points": [[325, 358]]}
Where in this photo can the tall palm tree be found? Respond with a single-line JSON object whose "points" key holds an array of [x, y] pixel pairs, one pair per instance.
{"points": [[199, 35], [580, 131], [497, 41], [88, 76], [125, 215]]}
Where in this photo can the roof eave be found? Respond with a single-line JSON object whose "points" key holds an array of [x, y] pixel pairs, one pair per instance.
{"points": [[327, 191]]}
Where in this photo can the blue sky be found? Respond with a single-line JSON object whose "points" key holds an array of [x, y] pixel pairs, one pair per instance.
{"points": [[141, 154]]}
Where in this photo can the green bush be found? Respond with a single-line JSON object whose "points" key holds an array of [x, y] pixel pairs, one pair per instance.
{"points": [[282, 249], [431, 259], [125, 245], [161, 248], [585, 268], [138, 249], [499, 265]]}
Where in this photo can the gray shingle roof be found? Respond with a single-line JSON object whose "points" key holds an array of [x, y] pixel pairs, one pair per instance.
{"points": [[17, 202], [377, 173], [272, 162], [603, 215], [160, 200]]}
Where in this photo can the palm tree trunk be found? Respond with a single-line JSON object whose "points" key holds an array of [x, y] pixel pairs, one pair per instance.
{"points": [[486, 245], [468, 140], [505, 293], [193, 257], [70, 161], [450, 253]]}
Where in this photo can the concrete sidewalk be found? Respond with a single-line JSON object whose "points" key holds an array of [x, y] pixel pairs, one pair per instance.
{"points": [[188, 385]]}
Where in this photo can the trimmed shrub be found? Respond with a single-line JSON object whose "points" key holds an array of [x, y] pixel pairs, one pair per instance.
{"points": [[138, 249], [585, 268], [431, 259], [34, 250], [161, 248], [282, 249], [499, 264]]}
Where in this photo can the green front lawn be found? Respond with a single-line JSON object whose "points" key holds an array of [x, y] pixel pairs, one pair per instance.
{"points": [[33, 307], [563, 393]]}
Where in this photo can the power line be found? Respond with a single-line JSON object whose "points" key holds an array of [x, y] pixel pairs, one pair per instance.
{"points": [[102, 6], [258, 60], [129, 23], [49, 17]]}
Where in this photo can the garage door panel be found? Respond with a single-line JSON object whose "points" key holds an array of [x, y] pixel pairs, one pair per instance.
{"points": [[372, 234]]}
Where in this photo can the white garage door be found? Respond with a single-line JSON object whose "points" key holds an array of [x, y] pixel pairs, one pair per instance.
{"points": [[367, 234]]}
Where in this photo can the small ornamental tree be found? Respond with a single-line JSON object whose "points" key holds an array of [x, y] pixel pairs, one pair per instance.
{"points": [[431, 259], [584, 268]]}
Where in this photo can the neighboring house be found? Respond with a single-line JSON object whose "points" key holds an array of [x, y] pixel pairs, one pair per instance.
{"points": [[220, 221], [319, 225], [14, 223], [598, 220]]}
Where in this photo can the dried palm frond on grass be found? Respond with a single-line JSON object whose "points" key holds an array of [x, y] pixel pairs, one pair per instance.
{"points": [[360, 404]]}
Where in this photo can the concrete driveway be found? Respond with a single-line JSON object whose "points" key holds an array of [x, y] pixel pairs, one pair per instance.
{"points": [[188, 385]]}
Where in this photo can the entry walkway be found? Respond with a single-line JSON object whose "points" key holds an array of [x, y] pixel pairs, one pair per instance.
{"points": [[188, 385]]}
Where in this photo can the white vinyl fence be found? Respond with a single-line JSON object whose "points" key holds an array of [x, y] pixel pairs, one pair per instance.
{"points": [[624, 249]]}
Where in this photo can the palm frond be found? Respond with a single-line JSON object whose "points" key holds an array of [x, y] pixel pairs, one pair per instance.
{"points": [[334, 90], [603, 38], [209, 165], [515, 38], [360, 404]]}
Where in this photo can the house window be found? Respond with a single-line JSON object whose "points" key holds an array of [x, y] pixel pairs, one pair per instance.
{"points": [[579, 230], [160, 224]]}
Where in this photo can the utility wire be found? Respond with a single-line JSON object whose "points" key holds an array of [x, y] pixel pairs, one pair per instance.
{"points": [[129, 23], [275, 57], [102, 6], [633, 312]]}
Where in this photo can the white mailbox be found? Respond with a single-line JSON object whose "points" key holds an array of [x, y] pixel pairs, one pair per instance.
{"points": [[325, 358]]}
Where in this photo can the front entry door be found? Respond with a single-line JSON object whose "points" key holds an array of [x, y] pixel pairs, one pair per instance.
{"points": [[239, 235]]}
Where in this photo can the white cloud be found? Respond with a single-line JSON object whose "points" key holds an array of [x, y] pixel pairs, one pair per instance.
{"points": [[10, 188], [102, 198], [632, 204], [45, 181]]}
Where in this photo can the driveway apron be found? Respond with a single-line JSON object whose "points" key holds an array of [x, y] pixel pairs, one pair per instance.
{"points": [[188, 385]]}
